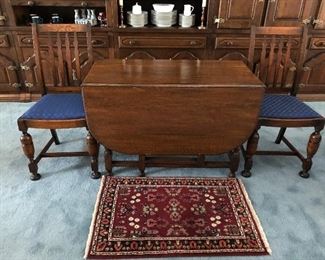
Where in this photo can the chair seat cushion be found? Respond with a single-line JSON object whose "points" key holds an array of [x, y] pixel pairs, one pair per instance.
{"points": [[57, 107], [286, 107]]}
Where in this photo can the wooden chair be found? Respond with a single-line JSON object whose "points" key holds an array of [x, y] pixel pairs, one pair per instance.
{"points": [[280, 66], [57, 70]]}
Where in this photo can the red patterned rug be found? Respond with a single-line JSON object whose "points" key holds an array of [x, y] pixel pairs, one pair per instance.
{"points": [[173, 217]]}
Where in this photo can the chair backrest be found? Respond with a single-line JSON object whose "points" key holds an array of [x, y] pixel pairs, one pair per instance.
{"points": [[280, 62], [59, 57]]}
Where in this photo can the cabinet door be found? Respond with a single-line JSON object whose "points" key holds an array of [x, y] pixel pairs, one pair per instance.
{"points": [[290, 12], [313, 78], [319, 22], [2, 16], [239, 13], [9, 82]]}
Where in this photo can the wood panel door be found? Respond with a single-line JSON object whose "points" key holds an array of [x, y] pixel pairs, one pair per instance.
{"points": [[239, 13], [319, 22], [290, 12], [9, 66], [313, 78]]}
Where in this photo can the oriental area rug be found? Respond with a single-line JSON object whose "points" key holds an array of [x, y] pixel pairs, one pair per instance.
{"points": [[148, 217]]}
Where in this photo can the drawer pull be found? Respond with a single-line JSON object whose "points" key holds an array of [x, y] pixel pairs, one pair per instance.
{"points": [[27, 40], [24, 67], [319, 44], [219, 20], [97, 42], [30, 3], [192, 43], [228, 43], [16, 85], [83, 4], [132, 42], [318, 21], [29, 85], [12, 67]]}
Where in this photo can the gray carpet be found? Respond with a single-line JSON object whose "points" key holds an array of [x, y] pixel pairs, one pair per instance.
{"points": [[49, 219]]}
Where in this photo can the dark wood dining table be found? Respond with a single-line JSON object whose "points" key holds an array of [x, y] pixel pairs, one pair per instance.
{"points": [[171, 112]]}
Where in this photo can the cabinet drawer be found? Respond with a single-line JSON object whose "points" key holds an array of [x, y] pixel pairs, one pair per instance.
{"points": [[4, 41], [97, 41], [229, 42], [83, 3], [317, 44], [161, 42], [242, 43]]}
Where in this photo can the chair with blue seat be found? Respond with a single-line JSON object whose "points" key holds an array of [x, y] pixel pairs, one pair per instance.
{"points": [[276, 56], [57, 70]]}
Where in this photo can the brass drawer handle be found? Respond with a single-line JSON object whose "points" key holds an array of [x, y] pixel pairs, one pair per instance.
{"points": [[16, 85], [30, 3], [97, 42], [192, 43], [318, 21], [12, 67], [83, 4], [218, 20], [28, 85], [319, 44], [132, 42], [27, 40], [228, 43]]}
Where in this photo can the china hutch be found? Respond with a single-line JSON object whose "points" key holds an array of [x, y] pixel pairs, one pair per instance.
{"points": [[221, 31]]}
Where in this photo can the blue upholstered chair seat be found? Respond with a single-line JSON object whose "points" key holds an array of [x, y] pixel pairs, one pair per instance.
{"points": [[57, 107], [286, 107]]}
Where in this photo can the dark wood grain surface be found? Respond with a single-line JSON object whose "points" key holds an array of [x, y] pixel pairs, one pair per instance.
{"points": [[164, 73], [171, 107]]}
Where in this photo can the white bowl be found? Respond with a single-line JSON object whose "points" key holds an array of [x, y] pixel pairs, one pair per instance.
{"points": [[163, 8]]}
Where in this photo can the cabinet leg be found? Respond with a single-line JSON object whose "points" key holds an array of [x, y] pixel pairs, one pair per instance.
{"points": [[29, 150]]}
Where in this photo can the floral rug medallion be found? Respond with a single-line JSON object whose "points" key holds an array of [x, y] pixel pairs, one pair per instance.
{"points": [[173, 217]]}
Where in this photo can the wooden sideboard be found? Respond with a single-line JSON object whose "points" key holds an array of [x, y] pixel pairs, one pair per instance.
{"points": [[225, 36]]}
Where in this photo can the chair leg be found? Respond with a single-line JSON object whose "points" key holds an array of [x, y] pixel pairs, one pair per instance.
{"points": [[93, 150], [250, 151], [108, 162], [312, 147], [234, 162], [280, 135], [142, 165], [55, 136], [29, 150]]}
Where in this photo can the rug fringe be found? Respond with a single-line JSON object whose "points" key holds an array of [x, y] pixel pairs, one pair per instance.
{"points": [[258, 223], [93, 220]]}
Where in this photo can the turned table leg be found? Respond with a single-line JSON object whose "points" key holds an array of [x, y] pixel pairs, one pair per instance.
{"points": [[250, 151], [234, 162], [93, 150], [108, 162], [142, 165]]}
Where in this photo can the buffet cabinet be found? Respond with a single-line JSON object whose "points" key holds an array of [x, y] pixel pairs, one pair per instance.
{"points": [[220, 31]]}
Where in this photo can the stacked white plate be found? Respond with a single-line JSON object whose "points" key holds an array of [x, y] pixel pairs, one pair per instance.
{"points": [[164, 19], [137, 20]]}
